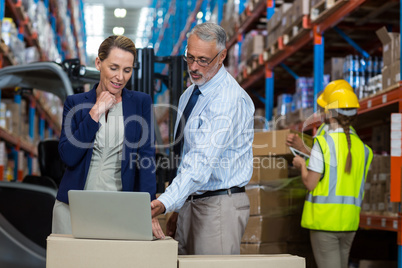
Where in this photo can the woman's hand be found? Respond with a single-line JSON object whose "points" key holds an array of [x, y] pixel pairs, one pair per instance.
{"points": [[104, 102], [298, 162], [294, 140]]}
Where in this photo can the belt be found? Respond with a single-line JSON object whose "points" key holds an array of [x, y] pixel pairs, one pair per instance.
{"points": [[232, 190]]}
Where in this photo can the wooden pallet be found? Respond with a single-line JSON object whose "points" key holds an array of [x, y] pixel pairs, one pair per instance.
{"points": [[324, 8], [296, 30]]}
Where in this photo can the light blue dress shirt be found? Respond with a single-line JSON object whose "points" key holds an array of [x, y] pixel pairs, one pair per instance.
{"points": [[217, 151]]}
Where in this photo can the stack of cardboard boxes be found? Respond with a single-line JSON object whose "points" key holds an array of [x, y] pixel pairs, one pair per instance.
{"points": [[377, 189], [66, 251], [276, 199], [391, 57]]}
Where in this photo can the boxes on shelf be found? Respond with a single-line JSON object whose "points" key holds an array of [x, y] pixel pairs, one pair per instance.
{"points": [[334, 67], [278, 198], [380, 139], [267, 168], [263, 229], [253, 45], [395, 72], [66, 251], [391, 45], [386, 77], [321, 7], [273, 143], [377, 187], [275, 25]]}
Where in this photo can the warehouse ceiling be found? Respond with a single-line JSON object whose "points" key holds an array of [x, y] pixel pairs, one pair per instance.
{"points": [[93, 13]]}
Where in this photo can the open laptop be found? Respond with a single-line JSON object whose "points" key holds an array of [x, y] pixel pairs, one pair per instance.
{"points": [[110, 215]]}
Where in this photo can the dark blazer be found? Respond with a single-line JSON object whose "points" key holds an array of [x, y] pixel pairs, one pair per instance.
{"points": [[78, 135]]}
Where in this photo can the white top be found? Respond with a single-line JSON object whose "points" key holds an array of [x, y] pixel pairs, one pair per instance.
{"points": [[316, 162], [217, 150], [105, 168]]}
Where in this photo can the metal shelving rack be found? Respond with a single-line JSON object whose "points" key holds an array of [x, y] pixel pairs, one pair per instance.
{"points": [[16, 11]]}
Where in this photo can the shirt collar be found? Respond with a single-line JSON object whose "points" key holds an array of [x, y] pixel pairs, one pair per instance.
{"points": [[339, 129], [205, 88]]}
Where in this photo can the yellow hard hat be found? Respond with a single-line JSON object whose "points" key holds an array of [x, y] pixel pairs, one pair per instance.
{"points": [[322, 100], [342, 98]]}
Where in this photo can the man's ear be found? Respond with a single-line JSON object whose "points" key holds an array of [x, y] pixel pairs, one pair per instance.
{"points": [[223, 56]]}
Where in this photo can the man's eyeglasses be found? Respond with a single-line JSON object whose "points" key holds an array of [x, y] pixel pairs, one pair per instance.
{"points": [[201, 62]]}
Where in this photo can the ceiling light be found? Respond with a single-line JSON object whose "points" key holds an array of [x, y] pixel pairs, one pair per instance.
{"points": [[118, 30], [120, 12]]}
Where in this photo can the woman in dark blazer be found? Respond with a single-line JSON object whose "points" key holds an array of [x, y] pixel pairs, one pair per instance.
{"points": [[107, 137]]}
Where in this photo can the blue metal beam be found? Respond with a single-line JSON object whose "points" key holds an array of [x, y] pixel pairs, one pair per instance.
{"points": [[269, 93], [242, 4], [290, 71], [318, 64], [351, 42], [2, 9], [220, 11], [270, 8]]}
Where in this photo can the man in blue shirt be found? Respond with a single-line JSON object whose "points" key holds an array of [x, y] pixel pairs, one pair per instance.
{"points": [[215, 120]]}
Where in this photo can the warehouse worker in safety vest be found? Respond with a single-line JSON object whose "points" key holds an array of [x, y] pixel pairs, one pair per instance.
{"points": [[335, 179], [294, 140]]}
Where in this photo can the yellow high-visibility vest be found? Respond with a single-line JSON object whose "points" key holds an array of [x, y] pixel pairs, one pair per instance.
{"points": [[335, 203]]}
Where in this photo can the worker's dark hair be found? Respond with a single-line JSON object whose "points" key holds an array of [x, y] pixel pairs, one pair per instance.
{"points": [[346, 122], [118, 41]]}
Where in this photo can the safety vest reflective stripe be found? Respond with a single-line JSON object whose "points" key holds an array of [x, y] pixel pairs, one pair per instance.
{"points": [[320, 130], [332, 198]]}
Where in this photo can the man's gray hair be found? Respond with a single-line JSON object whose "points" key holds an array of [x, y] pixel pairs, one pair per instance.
{"points": [[210, 32]]}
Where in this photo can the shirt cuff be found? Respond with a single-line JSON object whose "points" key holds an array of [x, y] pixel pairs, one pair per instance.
{"points": [[167, 201]]}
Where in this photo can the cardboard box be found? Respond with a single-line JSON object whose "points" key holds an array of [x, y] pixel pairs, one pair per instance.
{"points": [[66, 251], [334, 67], [270, 200], [396, 72], [273, 143], [241, 261], [380, 141], [263, 248], [267, 168], [391, 43], [386, 77], [267, 201], [262, 229]]}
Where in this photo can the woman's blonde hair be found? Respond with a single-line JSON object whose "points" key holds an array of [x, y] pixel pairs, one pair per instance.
{"points": [[116, 41]]}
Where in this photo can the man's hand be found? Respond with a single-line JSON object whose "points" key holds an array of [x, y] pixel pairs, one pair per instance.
{"points": [[157, 208], [171, 224], [156, 229]]}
